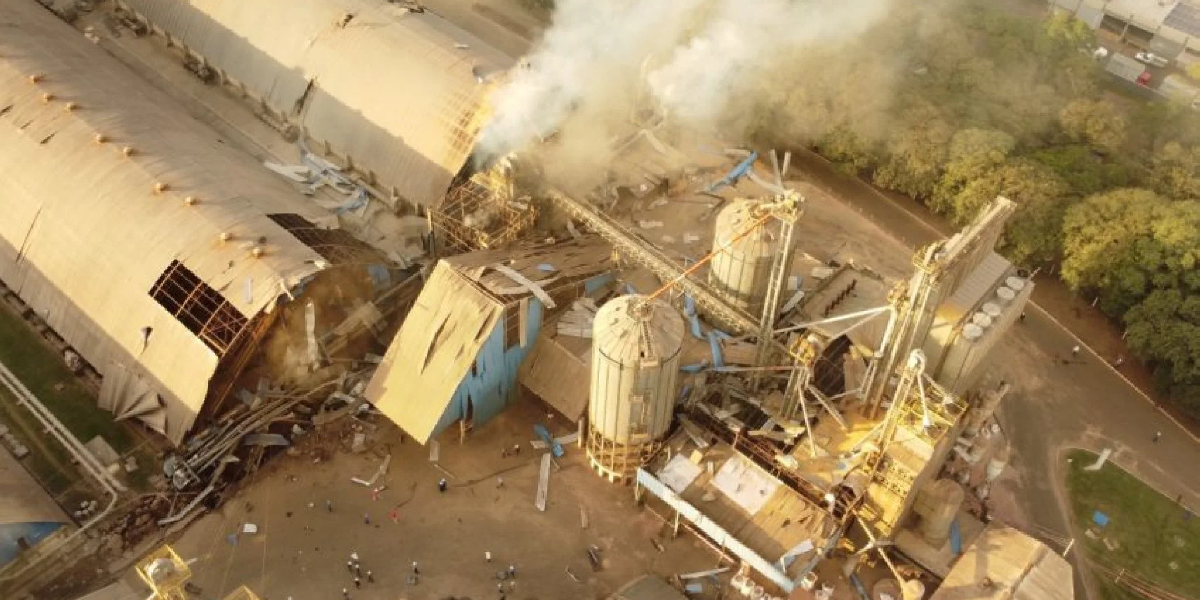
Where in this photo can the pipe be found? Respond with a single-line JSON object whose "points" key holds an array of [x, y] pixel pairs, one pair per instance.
{"points": [[870, 312]]}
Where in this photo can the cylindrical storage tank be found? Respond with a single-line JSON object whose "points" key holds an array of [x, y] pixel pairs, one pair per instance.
{"points": [[945, 498], [741, 270], [972, 332], [982, 319], [1014, 283], [991, 309], [636, 346], [1005, 294]]}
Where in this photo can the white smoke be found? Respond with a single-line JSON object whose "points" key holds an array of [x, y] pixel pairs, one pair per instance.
{"points": [[687, 59]]}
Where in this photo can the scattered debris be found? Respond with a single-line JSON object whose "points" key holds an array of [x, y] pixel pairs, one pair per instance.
{"points": [[699, 574], [543, 483], [650, 224], [434, 450]]}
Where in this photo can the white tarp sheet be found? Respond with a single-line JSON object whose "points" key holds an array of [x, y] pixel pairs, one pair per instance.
{"points": [[743, 483]]}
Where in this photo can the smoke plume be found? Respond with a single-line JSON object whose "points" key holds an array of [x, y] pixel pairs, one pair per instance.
{"points": [[696, 62]]}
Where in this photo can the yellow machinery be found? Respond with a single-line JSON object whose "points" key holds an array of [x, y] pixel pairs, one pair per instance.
{"points": [[168, 575], [165, 573]]}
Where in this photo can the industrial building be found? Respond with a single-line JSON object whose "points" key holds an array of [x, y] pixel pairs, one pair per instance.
{"points": [[457, 355], [790, 411], [1168, 28], [164, 257], [28, 515], [387, 90]]}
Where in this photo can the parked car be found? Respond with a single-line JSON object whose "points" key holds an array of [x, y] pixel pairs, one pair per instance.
{"points": [[1151, 59]]}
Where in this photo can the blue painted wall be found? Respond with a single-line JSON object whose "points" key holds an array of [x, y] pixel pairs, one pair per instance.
{"points": [[492, 384], [32, 532]]}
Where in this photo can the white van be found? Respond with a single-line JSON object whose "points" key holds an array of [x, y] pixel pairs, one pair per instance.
{"points": [[1151, 59]]}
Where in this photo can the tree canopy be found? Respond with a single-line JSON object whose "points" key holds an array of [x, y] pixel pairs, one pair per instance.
{"points": [[989, 103]]}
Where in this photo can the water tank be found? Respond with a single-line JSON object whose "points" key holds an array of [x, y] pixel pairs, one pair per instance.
{"points": [[1005, 294], [982, 319], [972, 332], [938, 510], [991, 309], [636, 347], [1014, 283], [741, 270]]}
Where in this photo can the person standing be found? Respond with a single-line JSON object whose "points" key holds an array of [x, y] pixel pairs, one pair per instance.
{"points": [[1157, 435], [442, 485], [1075, 351]]}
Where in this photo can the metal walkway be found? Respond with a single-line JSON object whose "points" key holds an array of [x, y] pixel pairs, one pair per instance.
{"points": [[629, 244]]}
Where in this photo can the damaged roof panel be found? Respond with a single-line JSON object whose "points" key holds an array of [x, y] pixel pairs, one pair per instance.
{"points": [[557, 375], [433, 351], [550, 266], [85, 250], [401, 93]]}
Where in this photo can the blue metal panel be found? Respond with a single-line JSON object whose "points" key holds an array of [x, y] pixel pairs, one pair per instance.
{"points": [[597, 282], [32, 532], [490, 386]]}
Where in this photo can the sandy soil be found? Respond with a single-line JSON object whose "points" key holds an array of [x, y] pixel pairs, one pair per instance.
{"points": [[300, 550]]}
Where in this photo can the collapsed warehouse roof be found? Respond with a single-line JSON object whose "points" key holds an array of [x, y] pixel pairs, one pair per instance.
{"points": [[1005, 563], [164, 247], [456, 356], [396, 95]]}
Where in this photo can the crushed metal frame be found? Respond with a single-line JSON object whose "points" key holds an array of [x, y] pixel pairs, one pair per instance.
{"points": [[199, 307], [487, 195]]}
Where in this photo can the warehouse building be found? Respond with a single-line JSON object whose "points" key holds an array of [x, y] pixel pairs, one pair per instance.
{"points": [[141, 238], [389, 91]]}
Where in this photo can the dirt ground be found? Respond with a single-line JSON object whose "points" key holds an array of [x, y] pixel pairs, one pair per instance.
{"points": [[300, 550]]}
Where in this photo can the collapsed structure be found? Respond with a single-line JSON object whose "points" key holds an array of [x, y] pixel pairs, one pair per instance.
{"points": [[163, 257], [802, 425], [457, 355]]}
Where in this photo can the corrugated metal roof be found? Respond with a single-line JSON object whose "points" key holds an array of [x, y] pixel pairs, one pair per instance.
{"points": [[83, 234], [450, 322], [432, 352], [647, 587], [550, 265], [22, 499], [557, 375], [396, 91], [1003, 564], [1185, 17], [975, 288]]}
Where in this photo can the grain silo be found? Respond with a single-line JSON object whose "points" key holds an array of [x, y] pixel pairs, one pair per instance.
{"points": [[741, 269], [635, 359]]}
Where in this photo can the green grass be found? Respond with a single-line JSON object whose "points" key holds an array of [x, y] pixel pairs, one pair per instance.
{"points": [[47, 376], [1150, 528]]}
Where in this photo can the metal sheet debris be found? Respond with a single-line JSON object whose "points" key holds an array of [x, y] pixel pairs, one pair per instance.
{"points": [[543, 488]]}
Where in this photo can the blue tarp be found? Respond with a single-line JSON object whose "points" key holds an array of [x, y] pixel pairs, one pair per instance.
{"points": [[955, 538], [1100, 519]]}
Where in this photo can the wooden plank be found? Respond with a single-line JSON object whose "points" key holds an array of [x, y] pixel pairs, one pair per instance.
{"points": [[543, 483]]}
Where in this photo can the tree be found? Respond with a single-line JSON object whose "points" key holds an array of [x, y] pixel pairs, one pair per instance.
{"points": [[1164, 330], [915, 153], [972, 153], [1084, 170], [1124, 244], [1033, 235], [1095, 122], [1175, 171]]}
